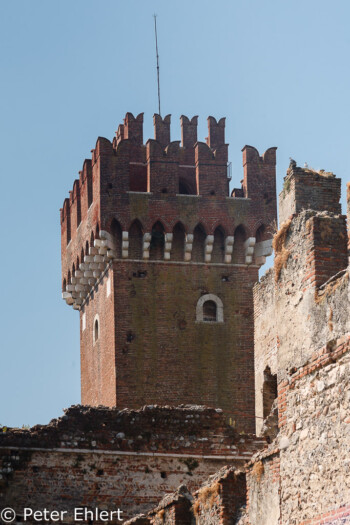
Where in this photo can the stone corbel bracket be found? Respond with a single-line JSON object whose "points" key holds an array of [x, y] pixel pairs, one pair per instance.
{"points": [[208, 248], [262, 250], [168, 240], [125, 245], [146, 242], [188, 247], [249, 249], [229, 241]]}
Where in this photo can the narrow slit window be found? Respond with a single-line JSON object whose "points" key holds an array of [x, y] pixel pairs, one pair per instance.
{"points": [[96, 330]]}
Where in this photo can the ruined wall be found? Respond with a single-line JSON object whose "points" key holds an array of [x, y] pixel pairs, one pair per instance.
{"points": [[265, 340], [263, 490], [303, 306], [115, 459], [315, 437], [303, 477], [306, 189], [219, 501]]}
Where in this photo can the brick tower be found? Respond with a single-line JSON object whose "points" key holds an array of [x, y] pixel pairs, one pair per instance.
{"points": [[160, 261]]}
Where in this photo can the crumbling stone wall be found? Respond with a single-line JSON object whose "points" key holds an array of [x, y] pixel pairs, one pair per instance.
{"points": [[219, 501], [315, 435], [302, 306], [303, 477], [263, 489]]}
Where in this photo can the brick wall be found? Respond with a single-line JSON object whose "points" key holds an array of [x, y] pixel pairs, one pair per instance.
{"points": [[158, 252], [115, 459], [306, 189]]}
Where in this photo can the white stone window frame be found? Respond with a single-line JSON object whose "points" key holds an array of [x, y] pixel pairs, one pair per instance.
{"points": [[219, 308], [94, 340]]}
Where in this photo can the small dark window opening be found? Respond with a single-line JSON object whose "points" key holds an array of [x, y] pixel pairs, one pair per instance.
{"points": [[209, 311], [96, 330], [183, 189], [186, 187], [269, 391]]}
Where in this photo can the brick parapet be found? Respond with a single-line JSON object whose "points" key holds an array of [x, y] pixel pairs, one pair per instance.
{"points": [[126, 459], [306, 189], [165, 430], [107, 183]]}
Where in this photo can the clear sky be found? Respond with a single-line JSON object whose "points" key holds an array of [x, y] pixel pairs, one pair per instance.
{"points": [[70, 70]]}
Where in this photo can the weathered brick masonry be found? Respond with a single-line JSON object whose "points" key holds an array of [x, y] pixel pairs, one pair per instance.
{"points": [[161, 263], [109, 458], [302, 341]]}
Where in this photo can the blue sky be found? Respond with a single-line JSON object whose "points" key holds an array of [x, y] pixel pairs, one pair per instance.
{"points": [[277, 70]]}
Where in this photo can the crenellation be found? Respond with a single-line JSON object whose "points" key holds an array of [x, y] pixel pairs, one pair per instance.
{"points": [[162, 129], [188, 131], [216, 133]]}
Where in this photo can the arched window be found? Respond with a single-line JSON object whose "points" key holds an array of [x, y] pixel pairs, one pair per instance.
{"points": [[178, 245], [210, 309], [218, 253], [135, 240], [157, 241], [64, 285], [96, 329], [116, 232], [199, 237], [92, 239]]}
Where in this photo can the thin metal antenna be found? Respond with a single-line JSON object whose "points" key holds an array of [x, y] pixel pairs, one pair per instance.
{"points": [[155, 30]]}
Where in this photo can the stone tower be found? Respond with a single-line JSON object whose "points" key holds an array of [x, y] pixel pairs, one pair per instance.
{"points": [[160, 261]]}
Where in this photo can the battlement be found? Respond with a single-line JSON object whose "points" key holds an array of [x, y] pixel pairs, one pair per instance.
{"points": [[130, 192]]}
